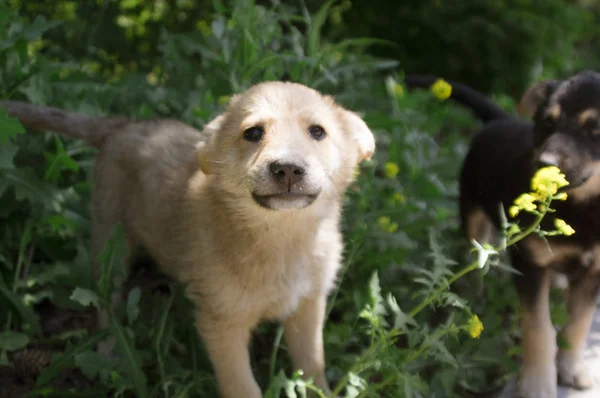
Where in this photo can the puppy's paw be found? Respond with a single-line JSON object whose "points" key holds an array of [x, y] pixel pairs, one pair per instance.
{"points": [[537, 383], [575, 376]]}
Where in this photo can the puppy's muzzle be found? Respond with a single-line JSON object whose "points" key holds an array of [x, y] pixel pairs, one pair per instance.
{"points": [[287, 187], [287, 174]]}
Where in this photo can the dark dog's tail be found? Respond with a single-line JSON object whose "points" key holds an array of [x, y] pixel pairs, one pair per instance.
{"points": [[92, 129], [482, 106]]}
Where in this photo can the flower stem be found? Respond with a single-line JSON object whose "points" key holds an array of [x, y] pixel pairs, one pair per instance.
{"points": [[473, 266]]}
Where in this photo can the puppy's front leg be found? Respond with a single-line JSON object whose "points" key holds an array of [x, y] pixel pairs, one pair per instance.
{"points": [[304, 338], [227, 347], [581, 305], [538, 373]]}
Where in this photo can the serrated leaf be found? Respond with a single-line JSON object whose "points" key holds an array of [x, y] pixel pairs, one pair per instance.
{"points": [[29, 187], [85, 297], [453, 300], [9, 127], [91, 363], [12, 341], [133, 309], [66, 360], [401, 320], [58, 161], [375, 293], [131, 359]]}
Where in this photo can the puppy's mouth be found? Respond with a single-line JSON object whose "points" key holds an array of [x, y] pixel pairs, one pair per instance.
{"points": [[285, 200], [575, 181]]}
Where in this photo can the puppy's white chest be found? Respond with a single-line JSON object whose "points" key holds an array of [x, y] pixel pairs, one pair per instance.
{"points": [[294, 281]]}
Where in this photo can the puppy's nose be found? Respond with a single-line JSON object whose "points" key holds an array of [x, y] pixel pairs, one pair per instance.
{"points": [[287, 173], [548, 159]]}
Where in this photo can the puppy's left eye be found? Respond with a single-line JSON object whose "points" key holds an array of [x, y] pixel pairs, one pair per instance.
{"points": [[254, 134], [317, 132]]}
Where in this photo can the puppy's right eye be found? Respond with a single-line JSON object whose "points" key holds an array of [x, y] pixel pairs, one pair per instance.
{"points": [[254, 134]]}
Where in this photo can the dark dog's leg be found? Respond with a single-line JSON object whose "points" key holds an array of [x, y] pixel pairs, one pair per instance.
{"points": [[537, 378], [581, 304]]}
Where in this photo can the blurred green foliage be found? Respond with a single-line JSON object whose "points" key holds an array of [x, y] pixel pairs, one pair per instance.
{"points": [[492, 45], [182, 59]]}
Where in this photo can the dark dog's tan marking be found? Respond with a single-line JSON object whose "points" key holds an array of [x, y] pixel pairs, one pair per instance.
{"points": [[554, 112], [588, 116]]}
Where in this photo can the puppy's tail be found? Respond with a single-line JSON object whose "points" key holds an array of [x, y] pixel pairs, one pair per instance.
{"points": [[92, 129], [482, 106]]}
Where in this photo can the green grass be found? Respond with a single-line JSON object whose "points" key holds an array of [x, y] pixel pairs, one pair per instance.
{"points": [[401, 232]]}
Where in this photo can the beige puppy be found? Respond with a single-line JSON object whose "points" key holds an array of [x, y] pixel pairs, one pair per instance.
{"points": [[248, 220]]}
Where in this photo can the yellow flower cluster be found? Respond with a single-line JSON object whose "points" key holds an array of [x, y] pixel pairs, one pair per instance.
{"points": [[545, 183], [386, 225], [204, 28], [391, 170], [524, 202], [474, 327], [398, 198], [399, 90], [441, 89]]}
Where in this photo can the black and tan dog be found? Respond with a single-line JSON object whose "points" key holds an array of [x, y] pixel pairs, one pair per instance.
{"points": [[502, 159]]}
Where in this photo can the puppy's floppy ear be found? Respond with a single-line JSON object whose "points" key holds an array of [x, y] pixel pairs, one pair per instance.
{"points": [[535, 96], [360, 133], [205, 149]]}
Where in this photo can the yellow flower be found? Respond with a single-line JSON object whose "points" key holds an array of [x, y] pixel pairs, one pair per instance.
{"points": [[513, 211], [391, 169], [474, 326], [563, 227], [399, 90], [203, 27], [560, 196], [223, 99], [398, 198], [524, 202], [386, 225], [547, 181], [441, 89]]}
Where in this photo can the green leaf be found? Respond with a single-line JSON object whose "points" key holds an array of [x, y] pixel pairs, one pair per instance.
{"points": [[29, 187], [85, 297], [8, 150], [12, 341], [58, 161], [131, 359], [39, 26], [314, 31], [375, 293], [401, 320], [67, 359], [111, 256], [133, 309], [92, 363], [9, 127], [26, 313]]}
